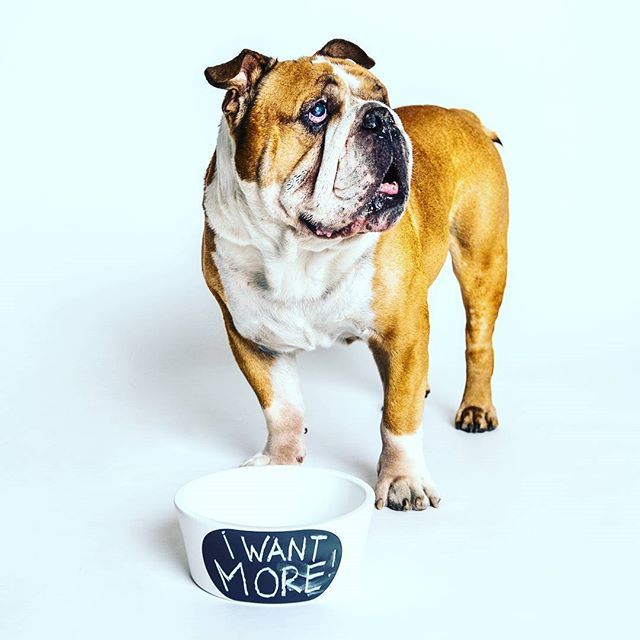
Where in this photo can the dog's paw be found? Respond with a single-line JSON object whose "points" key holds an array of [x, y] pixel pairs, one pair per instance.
{"points": [[263, 458], [404, 482], [473, 419], [257, 460], [405, 493]]}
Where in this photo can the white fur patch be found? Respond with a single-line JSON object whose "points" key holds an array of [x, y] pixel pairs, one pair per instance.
{"points": [[286, 389], [353, 82], [410, 448], [303, 299]]}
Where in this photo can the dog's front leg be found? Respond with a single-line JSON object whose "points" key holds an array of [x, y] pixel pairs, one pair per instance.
{"points": [[284, 412], [274, 379], [404, 482]]}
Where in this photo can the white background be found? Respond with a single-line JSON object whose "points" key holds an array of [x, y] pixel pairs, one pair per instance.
{"points": [[118, 386]]}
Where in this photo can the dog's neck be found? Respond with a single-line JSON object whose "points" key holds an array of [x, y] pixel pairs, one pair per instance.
{"points": [[256, 242]]}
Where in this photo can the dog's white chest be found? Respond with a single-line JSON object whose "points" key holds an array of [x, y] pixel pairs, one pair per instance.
{"points": [[285, 304]]}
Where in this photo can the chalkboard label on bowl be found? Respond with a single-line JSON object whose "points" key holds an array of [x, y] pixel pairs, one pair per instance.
{"points": [[272, 567]]}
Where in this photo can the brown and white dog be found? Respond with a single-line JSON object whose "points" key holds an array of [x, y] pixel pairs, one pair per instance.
{"points": [[327, 217]]}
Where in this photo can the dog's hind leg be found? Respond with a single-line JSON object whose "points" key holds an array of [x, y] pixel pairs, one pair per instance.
{"points": [[479, 254]]}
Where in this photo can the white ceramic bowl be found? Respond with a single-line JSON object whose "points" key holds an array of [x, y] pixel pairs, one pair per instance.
{"points": [[275, 534]]}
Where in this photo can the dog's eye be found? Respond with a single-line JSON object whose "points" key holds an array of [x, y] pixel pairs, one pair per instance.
{"points": [[317, 112]]}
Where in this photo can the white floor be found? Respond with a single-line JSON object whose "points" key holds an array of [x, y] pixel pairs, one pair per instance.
{"points": [[125, 389]]}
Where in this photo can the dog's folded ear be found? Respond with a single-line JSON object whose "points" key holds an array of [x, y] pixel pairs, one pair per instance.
{"points": [[338, 48], [239, 76]]}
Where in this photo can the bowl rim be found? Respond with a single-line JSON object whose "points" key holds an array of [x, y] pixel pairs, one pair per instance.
{"points": [[366, 503]]}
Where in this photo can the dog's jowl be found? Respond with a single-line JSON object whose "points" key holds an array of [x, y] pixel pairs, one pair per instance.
{"points": [[328, 215]]}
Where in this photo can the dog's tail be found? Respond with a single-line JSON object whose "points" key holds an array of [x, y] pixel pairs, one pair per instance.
{"points": [[471, 117]]}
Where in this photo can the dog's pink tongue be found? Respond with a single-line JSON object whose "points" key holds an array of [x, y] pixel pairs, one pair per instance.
{"points": [[388, 188]]}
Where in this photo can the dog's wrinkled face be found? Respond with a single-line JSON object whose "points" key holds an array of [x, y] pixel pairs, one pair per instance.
{"points": [[318, 139]]}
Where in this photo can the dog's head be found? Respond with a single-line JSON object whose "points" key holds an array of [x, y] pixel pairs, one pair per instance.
{"points": [[316, 139]]}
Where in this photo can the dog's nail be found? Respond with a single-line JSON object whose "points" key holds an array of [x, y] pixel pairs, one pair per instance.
{"points": [[299, 459], [435, 502], [379, 504], [306, 431], [405, 504]]}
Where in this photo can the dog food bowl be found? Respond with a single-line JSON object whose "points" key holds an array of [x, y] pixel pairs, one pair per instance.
{"points": [[275, 534]]}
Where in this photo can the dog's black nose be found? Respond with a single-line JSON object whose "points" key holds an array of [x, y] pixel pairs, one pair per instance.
{"points": [[377, 119]]}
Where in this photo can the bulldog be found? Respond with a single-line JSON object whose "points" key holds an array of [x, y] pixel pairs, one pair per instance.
{"points": [[328, 215]]}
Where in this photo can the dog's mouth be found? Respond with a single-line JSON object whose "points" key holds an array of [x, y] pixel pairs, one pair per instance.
{"points": [[390, 185], [391, 193]]}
